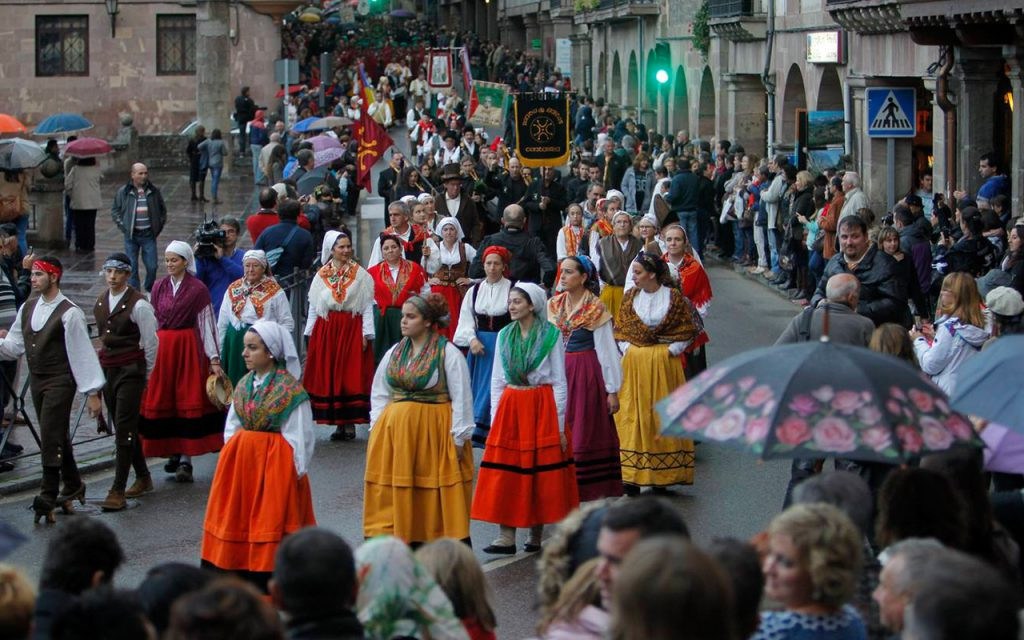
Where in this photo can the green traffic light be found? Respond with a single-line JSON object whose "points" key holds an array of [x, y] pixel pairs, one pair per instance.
{"points": [[661, 76]]}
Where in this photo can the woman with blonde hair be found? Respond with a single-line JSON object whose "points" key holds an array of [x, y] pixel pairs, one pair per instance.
{"points": [[894, 340], [958, 334], [576, 614], [458, 573], [811, 568]]}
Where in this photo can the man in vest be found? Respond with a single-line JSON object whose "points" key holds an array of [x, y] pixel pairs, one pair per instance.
{"points": [[50, 331], [127, 328], [613, 255]]}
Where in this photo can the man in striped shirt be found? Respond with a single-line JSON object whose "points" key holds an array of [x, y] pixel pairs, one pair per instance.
{"points": [[140, 213]]}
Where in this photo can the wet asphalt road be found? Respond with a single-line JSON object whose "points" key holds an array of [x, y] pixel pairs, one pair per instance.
{"points": [[734, 494]]}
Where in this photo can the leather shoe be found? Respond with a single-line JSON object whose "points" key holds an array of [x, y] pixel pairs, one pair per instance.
{"points": [[139, 487], [529, 547], [184, 473], [114, 501], [172, 463], [498, 549]]}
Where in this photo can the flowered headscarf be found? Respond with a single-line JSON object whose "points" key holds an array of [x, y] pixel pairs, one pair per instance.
{"points": [[399, 598]]}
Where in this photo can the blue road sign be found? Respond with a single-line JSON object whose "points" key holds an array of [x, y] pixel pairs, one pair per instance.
{"points": [[892, 112]]}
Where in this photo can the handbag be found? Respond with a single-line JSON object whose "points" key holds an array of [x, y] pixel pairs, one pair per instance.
{"points": [[275, 254]]}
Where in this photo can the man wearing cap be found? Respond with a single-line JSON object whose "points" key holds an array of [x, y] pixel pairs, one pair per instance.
{"points": [[457, 204], [127, 329], [469, 146], [50, 331]]}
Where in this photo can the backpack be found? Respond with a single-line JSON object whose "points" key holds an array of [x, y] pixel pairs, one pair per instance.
{"points": [[274, 255]]}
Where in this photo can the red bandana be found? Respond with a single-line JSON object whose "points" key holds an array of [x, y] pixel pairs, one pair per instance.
{"points": [[40, 265]]}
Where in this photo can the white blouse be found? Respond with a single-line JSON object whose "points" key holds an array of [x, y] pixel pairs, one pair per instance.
{"points": [[673, 269], [358, 300], [652, 309], [145, 319], [297, 430], [551, 371], [207, 324], [449, 257], [492, 300], [376, 257], [560, 250], [609, 357], [460, 391], [277, 309]]}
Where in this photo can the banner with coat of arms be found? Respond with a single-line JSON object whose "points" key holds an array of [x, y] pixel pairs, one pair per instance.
{"points": [[491, 98], [542, 128]]}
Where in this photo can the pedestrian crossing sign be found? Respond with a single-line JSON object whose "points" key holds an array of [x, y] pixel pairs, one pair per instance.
{"points": [[892, 112]]}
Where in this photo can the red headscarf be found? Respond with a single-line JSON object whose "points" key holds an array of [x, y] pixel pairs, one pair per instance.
{"points": [[501, 252]]}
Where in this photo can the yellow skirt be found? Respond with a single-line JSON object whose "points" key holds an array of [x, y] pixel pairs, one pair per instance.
{"points": [[416, 487], [611, 296], [649, 460]]}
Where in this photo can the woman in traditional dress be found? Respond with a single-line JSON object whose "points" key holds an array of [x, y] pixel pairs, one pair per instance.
{"points": [[572, 239], [254, 296], [647, 231], [260, 490], [395, 280], [178, 419], [419, 464], [527, 477], [593, 371], [654, 327], [339, 361], [484, 313], [450, 278]]}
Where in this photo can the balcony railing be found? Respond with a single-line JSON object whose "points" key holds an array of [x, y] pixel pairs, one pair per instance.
{"points": [[730, 8]]}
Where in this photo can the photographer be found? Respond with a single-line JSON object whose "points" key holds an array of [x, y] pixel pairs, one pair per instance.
{"points": [[218, 263]]}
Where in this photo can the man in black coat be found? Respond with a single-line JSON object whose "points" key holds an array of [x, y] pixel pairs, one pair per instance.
{"points": [[530, 260], [545, 201], [613, 165], [245, 111], [389, 176], [882, 295]]}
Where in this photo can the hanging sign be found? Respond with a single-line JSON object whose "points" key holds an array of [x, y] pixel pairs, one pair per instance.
{"points": [[439, 69], [542, 128]]}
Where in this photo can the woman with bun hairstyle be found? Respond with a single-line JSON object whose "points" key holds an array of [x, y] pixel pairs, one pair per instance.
{"points": [[419, 463], [395, 280], [339, 361], [593, 369], [527, 477], [654, 326]]}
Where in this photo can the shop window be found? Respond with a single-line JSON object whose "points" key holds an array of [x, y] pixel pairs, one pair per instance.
{"points": [[62, 46], [176, 44]]}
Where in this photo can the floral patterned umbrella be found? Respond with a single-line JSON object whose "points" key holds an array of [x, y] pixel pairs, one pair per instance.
{"points": [[814, 400]]}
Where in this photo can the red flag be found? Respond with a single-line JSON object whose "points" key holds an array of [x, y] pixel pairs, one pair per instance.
{"points": [[373, 142]]}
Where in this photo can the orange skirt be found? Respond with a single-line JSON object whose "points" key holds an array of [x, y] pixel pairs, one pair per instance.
{"points": [[525, 478], [255, 501]]}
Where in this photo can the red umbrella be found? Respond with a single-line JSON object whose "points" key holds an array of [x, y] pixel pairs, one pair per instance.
{"points": [[87, 148], [292, 89], [10, 124]]}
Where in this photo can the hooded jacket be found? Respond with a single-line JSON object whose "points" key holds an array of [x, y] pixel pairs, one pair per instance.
{"points": [[954, 343]]}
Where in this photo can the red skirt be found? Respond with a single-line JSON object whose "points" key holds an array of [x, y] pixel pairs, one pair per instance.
{"points": [[176, 415], [595, 442], [454, 298], [339, 371], [525, 478], [255, 501]]}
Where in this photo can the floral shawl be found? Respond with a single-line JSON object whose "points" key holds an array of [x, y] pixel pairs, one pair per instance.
{"points": [[693, 280], [603, 227], [677, 326], [410, 372], [418, 236], [573, 239], [519, 355], [590, 313], [259, 294], [339, 280], [267, 407], [397, 596]]}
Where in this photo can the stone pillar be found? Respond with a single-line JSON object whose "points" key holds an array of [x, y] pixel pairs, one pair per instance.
{"points": [[976, 76], [580, 58], [939, 168], [869, 158], [532, 25], [47, 198], [213, 74], [743, 111], [1015, 61]]}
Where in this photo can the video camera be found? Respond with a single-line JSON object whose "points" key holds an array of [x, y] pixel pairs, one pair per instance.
{"points": [[209, 236]]}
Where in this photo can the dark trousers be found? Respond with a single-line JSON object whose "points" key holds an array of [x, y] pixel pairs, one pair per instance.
{"points": [[84, 221], [52, 397], [123, 397]]}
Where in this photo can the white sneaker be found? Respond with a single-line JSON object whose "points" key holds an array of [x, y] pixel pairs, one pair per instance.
{"points": [[757, 270]]}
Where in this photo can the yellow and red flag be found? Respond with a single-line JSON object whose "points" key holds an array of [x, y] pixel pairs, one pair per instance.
{"points": [[373, 142]]}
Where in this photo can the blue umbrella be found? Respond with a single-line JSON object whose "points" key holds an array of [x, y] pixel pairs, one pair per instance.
{"points": [[988, 385], [62, 123], [302, 126]]}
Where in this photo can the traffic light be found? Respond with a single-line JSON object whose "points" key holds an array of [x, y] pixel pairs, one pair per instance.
{"points": [[662, 64], [661, 75]]}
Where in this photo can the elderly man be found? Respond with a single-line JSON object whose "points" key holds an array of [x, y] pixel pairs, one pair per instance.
{"points": [[418, 244], [900, 578], [140, 213], [458, 204], [855, 199], [530, 260]]}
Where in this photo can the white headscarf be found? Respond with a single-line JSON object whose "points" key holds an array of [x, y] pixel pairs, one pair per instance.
{"points": [[281, 189], [617, 195], [650, 219], [328, 246], [657, 191], [423, 197], [280, 345], [622, 213], [409, 199], [538, 298], [452, 221], [256, 254], [185, 251]]}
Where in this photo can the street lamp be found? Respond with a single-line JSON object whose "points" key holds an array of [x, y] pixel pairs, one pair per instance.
{"points": [[112, 12]]}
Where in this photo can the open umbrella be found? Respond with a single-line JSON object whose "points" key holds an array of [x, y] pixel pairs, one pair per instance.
{"points": [[324, 142], [814, 400], [302, 126], [87, 148], [988, 385], [327, 156], [292, 90], [10, 124], [19, 153], [333, 121], [62, 123]]}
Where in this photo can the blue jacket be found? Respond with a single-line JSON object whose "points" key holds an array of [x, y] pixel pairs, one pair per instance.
{"points": [[993, 187], [217, 274]]}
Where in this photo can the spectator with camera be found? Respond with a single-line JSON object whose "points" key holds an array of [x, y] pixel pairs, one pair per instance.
{"points": [[288, 245], [218, 262]]}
